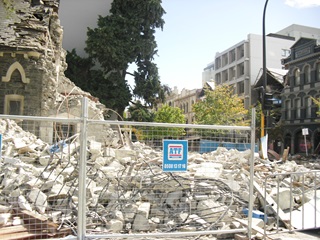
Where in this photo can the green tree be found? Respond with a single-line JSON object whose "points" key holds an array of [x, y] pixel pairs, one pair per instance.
{"points": [[140, 113], [221, 107], [124, 37], [82, 72], [165, 114], [79, 70]]}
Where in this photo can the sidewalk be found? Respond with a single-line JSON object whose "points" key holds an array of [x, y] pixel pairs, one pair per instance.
{"points": [[304, 235]]}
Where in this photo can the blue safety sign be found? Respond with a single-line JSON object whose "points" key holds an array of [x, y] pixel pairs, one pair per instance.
{"points": [[175, 155]]}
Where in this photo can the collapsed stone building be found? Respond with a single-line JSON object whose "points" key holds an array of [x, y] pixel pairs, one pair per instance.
{"points": [[32, 65]]}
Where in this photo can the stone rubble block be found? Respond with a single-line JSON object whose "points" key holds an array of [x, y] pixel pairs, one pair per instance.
{"points": [[210, 210], [124, 153], [23, 203], [115, 225], [208, 170], [141, 223], [283, 197], [173, 198], [39, 199], [144, 209], [44, 160], [4, 218]]}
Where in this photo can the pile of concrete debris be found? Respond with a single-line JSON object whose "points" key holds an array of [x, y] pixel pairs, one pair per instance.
{"points": [[127, 191]]}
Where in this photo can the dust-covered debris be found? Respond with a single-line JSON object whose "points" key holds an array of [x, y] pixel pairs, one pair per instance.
{"points": [[127, 191]]}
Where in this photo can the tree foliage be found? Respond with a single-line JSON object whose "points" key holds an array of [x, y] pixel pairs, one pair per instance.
{"points": [[165, 114], [221, 107], [168, 114], [317, 102], [124, 37], [140, 113], [111, 92]]}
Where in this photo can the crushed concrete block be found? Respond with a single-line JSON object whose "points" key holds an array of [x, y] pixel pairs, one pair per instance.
{"points": [[44, 160], [27, 159], [19, 143], [173, 198], [283, 197], [4, 218], [115, 225], [144, 209], [123, 153], [208, 170], [102, 161], [24, 204], [17, 221], [210, 210], [4, 209], [39, 199], [141, 223], [95, 147]]}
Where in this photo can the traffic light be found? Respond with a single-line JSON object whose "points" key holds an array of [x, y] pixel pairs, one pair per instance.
{"points": [[267, 101], [270, 102]]}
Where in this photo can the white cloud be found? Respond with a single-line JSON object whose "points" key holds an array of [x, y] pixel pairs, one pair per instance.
{"points": [[303, 3]]}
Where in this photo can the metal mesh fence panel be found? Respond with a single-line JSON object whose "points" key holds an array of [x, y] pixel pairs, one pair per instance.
{"points": [[293, 202], [39, 179], [127, 190]]}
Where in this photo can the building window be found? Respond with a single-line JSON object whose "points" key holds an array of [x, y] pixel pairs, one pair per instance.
{"points": [[218, 78], [240, 87], [285, 53], [307, 74], [225, 60], [297, 103], [63, 131], [240, 70], [318, 72], [232, 56], [297, 77], [240, 51], [218, 63], [308, 107], [288, 109], [13, 104]]}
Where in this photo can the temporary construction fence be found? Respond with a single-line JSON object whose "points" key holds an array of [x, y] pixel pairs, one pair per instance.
{"points": [[293, 203], [94, 179]]}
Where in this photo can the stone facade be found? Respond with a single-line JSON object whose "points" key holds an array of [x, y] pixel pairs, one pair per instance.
{"points": [[32, 65], [299, 111], [184, 100]]}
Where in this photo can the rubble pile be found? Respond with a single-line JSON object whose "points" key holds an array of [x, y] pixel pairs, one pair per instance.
{"points": [[127, 191]]}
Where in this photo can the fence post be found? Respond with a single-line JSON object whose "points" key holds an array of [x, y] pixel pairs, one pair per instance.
{"points": [[253, 141], [82, 171]]}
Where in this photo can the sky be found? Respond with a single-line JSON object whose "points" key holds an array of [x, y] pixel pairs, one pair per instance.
{"points": [[195, 31]]}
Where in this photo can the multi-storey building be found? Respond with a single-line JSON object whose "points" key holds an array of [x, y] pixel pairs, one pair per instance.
{"points": [[240, 64], [208, 74], [299, 112], [184, 101]]}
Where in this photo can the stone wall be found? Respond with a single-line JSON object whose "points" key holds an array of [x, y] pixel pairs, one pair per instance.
{"points": [[31, 91], [32, 65]]}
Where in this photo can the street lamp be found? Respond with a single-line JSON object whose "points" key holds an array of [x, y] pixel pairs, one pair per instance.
{"points": [[264, 66]]}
